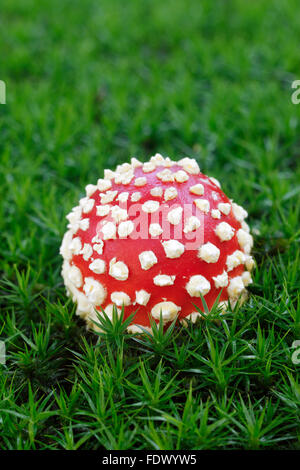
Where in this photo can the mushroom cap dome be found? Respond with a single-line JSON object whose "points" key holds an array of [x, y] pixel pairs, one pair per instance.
{"points": [[152, 238]]}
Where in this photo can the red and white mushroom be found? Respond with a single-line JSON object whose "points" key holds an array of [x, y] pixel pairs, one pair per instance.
{"points": [[153, 237]]}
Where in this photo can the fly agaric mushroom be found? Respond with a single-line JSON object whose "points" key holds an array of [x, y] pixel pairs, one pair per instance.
{"points": [[153, 238]]}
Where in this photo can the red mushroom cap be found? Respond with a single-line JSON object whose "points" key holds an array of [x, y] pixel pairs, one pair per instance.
{"points": [[153, 237]]}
